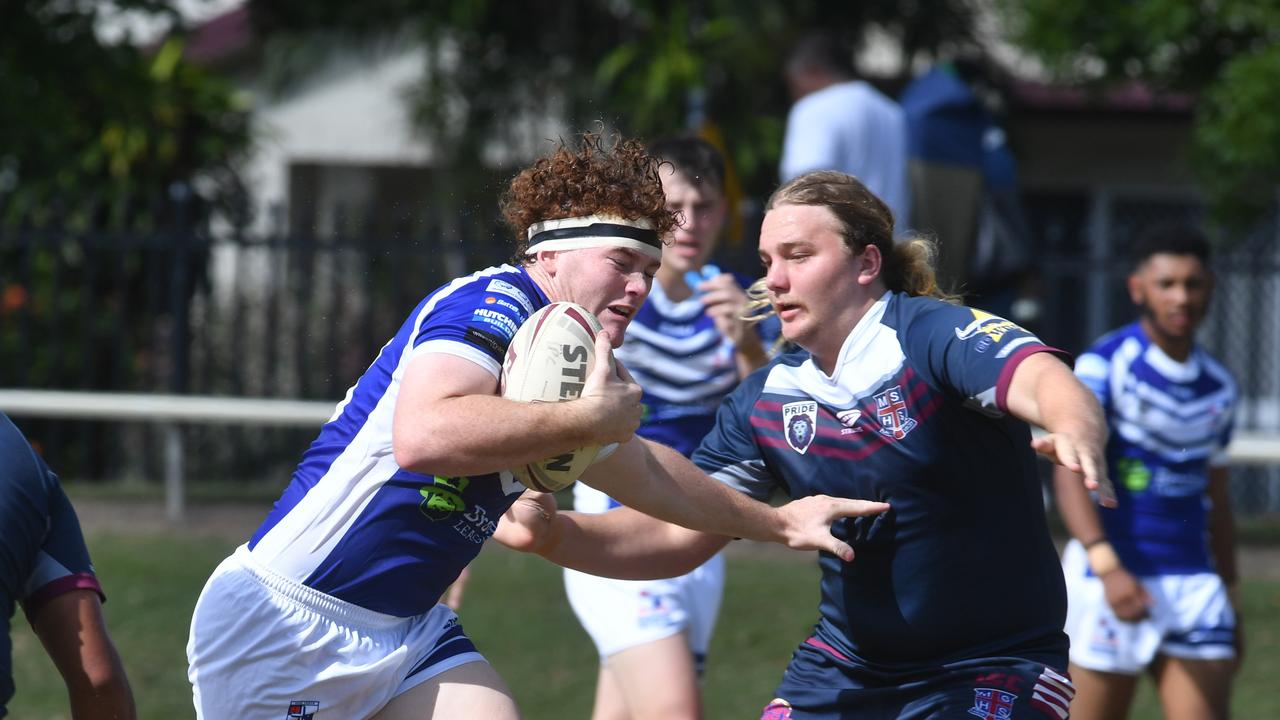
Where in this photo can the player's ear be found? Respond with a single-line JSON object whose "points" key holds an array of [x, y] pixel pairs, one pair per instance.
{"points": [[868, 262], [547, 260], [1135, 288]]}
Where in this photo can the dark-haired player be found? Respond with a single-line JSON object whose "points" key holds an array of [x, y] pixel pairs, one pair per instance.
{"points": [[687, 348], [1152, 582]]}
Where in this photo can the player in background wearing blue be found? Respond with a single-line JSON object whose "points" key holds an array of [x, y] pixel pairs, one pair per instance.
{"points": [[1152, 583], [331, 608], [954, 604], [45, 566], [687, 348]]}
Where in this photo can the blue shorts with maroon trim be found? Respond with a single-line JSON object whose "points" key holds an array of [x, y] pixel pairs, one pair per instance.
{"points": [[820, 685]]}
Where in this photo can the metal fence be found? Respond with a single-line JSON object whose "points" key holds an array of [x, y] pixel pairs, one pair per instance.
{"points": [[226, 313]]}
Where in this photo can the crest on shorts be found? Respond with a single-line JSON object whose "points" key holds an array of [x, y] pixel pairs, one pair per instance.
{"points": [[800, 423], [302, 709], [891, 410], [992, 704]]}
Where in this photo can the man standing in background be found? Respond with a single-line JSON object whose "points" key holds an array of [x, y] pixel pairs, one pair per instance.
{"points": [[838, 122]]}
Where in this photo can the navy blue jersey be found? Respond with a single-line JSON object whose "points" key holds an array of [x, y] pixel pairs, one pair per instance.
{"points": [[43, 554], [962, 566], [353, 523]]}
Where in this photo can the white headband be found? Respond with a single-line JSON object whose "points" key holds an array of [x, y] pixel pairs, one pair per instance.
{"points": [[594, 231]]}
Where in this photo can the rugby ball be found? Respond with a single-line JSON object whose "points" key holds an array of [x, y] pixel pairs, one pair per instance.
{"points": [[548, 361]]}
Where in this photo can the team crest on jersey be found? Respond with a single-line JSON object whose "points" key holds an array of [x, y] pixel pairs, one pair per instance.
{"points": [[800, 423], [891, 411], [992, 704], [302, 709]]}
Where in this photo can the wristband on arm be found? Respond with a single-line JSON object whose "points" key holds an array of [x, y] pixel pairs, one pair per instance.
{"points": [[1102, 557]]}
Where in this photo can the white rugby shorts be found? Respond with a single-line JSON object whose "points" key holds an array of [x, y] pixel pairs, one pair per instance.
{"points": [[264, 646], [1191, 619], [621, 614]]}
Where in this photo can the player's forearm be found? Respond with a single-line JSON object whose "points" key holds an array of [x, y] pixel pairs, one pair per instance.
{"points": [[661, 482], [477, 434], [1044, 392], [1067, 407], [1222, 527], [1075, 507], [627, 545]]}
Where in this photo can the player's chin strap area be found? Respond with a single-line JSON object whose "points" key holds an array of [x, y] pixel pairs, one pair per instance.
{"points": [[595, 231]]}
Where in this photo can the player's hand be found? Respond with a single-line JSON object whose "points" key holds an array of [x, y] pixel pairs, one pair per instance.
{"points": [[1084, 458], [725, 301], [526, 525], [807, 522], [453, 596], [613, 396], [1126, 595]]}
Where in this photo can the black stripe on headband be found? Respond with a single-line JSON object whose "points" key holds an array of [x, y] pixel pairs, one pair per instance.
{"points": [[648, 237]]}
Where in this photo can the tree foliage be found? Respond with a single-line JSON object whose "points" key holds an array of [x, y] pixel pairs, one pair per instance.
{"points": [[1226, 52], [647, 67], [93, 131]]}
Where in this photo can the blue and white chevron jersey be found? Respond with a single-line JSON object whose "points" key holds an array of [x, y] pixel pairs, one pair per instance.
{"points": [[685, 366], [1170, 422], [355, 525], [915, 415]]}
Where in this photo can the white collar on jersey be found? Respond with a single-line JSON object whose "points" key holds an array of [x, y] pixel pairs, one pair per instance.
{"points": [[859, 338]]}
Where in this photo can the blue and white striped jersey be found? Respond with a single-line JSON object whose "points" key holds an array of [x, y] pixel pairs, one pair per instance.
{"points": [[355, 525], [685, 367], [1170, 422], [915, 415]]}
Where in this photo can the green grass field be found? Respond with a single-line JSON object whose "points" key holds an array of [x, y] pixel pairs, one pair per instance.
{"points": [[516, 612]]}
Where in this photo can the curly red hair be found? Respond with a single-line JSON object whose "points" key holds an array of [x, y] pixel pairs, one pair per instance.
{"points": [[589, 179]]}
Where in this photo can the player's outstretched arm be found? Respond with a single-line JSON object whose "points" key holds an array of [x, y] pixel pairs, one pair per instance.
{"points": [[659, 481], [1044, 392], [450, 421], [73, 632], [621, 543]]}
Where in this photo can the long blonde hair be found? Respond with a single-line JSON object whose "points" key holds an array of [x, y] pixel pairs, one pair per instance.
{"points": [[862, 219]]}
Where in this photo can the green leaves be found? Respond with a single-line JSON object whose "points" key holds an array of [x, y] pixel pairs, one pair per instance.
{"points": [[1227, 52], [102, 129], [645, 67]]}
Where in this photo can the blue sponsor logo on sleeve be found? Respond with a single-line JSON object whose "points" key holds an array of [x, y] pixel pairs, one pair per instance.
{"points": [[497, 319], [503, 287]]}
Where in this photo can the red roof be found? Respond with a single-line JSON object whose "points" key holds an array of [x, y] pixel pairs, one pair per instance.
{"points": [[220, 38], [1131, 97]]}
